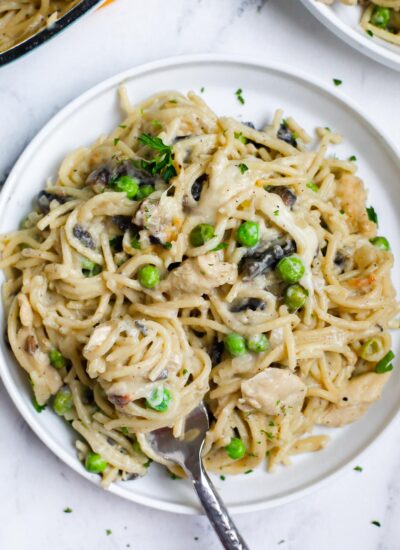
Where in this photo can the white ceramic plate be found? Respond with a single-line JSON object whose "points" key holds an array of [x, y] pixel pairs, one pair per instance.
{"points": [[344, 21], [265, 88]]}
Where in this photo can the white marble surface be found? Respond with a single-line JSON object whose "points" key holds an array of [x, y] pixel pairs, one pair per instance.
{"points": [[35, 486]]}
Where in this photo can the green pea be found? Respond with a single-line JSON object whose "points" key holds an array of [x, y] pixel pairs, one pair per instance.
{"points": [[235, 344], [201, 234], [128, 185], [159, 399], [248, 234], [148, 276], [385, 364], [295, 296], [381, 17], [370, 347], [290, 269], [57, 360], [144, 191], [63, 401], [95, 463], [89, 268], [380, 242], [135, 243], [236, 449], [257, 343]]}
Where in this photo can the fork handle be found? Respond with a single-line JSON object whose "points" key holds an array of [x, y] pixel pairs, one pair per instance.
{"points": [[216, 512]]}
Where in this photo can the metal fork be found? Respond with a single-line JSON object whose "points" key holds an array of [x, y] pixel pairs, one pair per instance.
{"points": [[187, 453]]}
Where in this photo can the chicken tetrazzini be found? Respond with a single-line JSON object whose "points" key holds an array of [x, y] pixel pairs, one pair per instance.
{"points": [[21, 19], [379, 17], [187, 257]]}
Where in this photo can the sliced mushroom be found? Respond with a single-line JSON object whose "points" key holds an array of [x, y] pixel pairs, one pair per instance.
{"points": [[125, 223], [216, 351], [83, 236], [44, 199], [285, 134], [289, 198], [264, 257], [197, 186], [253, 304], [99, 179]]}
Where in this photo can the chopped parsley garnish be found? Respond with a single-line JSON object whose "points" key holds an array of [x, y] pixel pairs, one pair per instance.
{"points": [[248, 471], [313, 186], [337, 82], [240, 137], [116, 141], [243, 168], [162, 163], [353, 158], [375, 522], [67, 510], [38, 408], [167, 246], [125, 430], [239, 95], [276, 212], [123, 126], [222, 478], [327, 129], [108, 532], [372, 215], [202, 89], [173, 476], [341, 212], [184, 372], [357, 469], [370, 33]]}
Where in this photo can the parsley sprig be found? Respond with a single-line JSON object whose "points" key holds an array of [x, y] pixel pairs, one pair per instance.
{"points": [[162, 163]]}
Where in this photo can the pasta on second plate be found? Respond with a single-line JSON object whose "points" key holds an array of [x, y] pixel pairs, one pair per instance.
{"points": [[21, 19], [186, 257], [380, 17]]}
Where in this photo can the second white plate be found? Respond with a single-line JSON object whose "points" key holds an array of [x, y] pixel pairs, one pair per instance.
{"points": [[265, 88], [344, 21]]}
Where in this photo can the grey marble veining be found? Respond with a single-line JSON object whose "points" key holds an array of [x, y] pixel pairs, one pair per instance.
{"points": [[35, 486]]}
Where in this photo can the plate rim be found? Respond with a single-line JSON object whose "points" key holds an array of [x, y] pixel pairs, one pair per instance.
{"points": [[367, 47], [78, 102]]}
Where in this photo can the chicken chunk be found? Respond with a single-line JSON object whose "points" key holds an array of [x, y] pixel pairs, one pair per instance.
{"points": [[202, 274], [358, 395], [352, 197], [46, 381], [273, 391], [161, 219]]}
